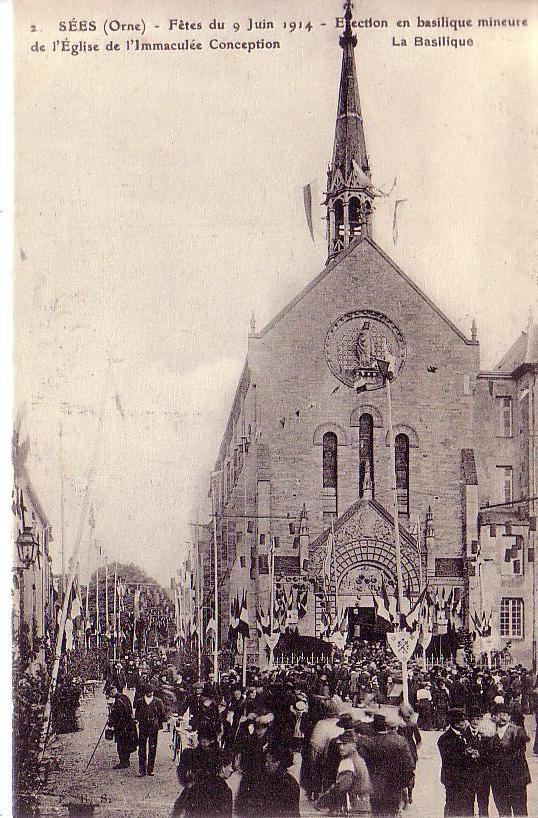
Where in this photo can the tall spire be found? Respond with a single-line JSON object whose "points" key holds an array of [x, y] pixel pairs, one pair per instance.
{"points": [[349, 187]]}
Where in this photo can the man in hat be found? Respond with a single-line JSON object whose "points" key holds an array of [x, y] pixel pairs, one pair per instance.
{"points": [[123, 724], [199, 759], [389, 764], [350, 793], [325, 730], [477, 737], [459, 766], [509, 769], [277, 793], [208, 795], [150, 715]]}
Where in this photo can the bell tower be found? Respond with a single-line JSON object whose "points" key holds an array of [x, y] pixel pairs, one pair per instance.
{"points": [[349, 197]]}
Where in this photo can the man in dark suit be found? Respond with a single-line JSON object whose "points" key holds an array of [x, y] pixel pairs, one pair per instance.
{"points": [[478, 741], [149, 713], [122, 721], [509, 769], [459, 766]]}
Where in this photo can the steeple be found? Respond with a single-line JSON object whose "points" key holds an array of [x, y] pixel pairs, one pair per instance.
{"points": [[349, 188]]}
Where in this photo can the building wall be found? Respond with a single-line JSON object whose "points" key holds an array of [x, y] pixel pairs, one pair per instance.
{"points": [[291, 375]]}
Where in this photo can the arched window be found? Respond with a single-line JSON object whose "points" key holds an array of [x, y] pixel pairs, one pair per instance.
{"points": [[330, 473], [354, 217], [338, 237], [366, 454], [402, 472]]}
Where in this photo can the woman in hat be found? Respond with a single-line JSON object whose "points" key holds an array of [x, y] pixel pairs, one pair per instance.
{"points": [[350, 794]]}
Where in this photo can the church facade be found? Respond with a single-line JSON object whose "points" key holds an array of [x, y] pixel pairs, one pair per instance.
{"points": [[306, 449]]}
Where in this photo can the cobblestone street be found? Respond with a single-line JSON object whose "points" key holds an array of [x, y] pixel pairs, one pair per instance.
{"points": [[121, 793]]}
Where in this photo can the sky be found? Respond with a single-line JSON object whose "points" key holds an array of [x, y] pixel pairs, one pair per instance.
{"points": [[158, 202]]}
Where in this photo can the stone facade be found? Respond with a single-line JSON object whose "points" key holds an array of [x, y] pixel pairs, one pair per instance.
{"points": [[292, 457]]}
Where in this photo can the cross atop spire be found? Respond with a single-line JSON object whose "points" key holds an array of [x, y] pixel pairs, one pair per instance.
{"points": [[347, 36], [349, 188]]}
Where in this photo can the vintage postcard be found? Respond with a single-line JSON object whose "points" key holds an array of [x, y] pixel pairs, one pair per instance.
{"points": [[275, 348]]}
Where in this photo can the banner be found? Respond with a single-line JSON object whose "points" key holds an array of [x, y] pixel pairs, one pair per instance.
{"points": [[402, 643]]}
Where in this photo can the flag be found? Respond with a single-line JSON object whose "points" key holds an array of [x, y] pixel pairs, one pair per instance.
{"points": [[243, 626], [136, 604], [384, 606], [425, 632], [234, 620], [307, 200], [339, 630], [379, 192], [397, 204], [381, 611], [302, 601], [416, 614], [262, 622], [456, 614], [325, 625]]}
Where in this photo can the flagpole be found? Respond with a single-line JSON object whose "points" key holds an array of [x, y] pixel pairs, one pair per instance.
{"points": [[97, 625], [87, 611], [120, 603], [244, 446], [216, 590], [106, 597], [421, 583], [198, 602], [244, 663], [271, 599], [392, 472], [115, 632], [62, 510]]}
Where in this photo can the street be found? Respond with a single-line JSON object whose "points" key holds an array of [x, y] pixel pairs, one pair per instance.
{"points": [[122, 794]]}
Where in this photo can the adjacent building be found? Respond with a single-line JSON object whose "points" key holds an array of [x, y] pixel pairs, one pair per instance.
{"points": [[33, 592]]}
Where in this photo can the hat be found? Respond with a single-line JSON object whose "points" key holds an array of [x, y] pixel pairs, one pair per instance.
{"points": [[456, 715], [499, 707], [475, 713], [300, 704], [331, 708], [207, 731], [148, 689], [379, 723], [345, 721], [265, 719], [348, 736], [281, 753]]}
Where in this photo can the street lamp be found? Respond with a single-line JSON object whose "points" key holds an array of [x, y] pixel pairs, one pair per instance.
{"points": [[27, 546]]}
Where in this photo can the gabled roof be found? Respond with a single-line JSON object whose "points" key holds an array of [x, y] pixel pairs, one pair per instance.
{"points": [[338, 260], [361, 503], [515, 355], [523, 351]]}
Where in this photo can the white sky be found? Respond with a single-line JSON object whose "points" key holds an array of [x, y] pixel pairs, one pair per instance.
{"points": [[159, 201]]}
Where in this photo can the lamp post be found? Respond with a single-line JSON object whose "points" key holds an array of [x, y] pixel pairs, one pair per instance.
{"points": [[26, 547], [27, 550]]}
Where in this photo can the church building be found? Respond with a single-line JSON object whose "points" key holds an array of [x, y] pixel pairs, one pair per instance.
{"points": [[306, 450]]}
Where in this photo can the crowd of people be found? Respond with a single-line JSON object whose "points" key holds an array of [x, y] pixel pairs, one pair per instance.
{"points": [[341, 724]]}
